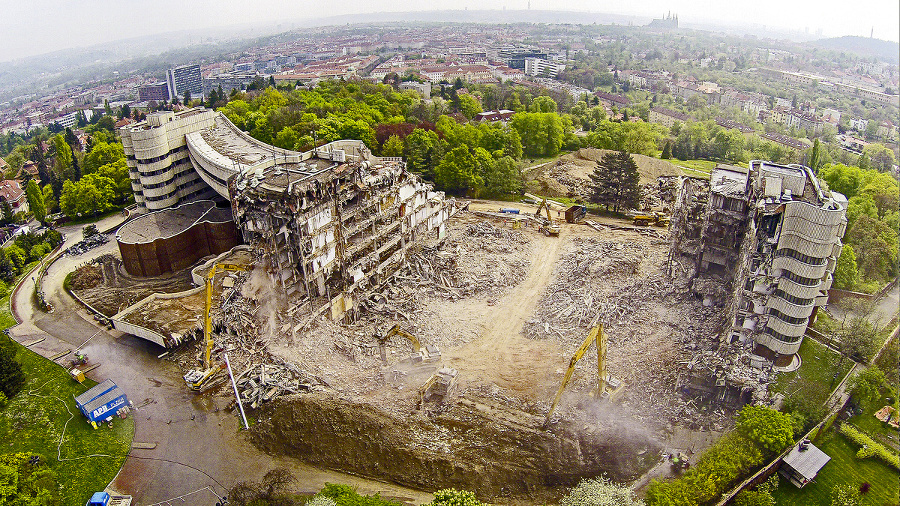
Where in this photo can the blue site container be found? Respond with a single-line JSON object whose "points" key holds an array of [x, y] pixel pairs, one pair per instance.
{"points": [[101, 402], [94, 392], [509, 210], [98, 499], [105, 406]]}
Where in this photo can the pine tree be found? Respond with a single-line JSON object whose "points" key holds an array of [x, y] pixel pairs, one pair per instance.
{"points": [[616, 182], [187, 98], [667, 151]]}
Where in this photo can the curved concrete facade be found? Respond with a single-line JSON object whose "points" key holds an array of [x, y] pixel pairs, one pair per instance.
{"points": [[157, 158], [173, 239]]}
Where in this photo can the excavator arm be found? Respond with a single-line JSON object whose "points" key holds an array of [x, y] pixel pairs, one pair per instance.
{"points": [[195, 379], [594, 335]]}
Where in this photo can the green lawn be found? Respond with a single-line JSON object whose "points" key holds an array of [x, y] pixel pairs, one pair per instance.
{"points": [[844, 468], [701, 166], [34, 420], [819, 365], [878, 430]]}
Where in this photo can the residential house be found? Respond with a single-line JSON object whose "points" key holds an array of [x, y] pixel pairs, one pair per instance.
{"points": [[667, 117], [11, 191]]}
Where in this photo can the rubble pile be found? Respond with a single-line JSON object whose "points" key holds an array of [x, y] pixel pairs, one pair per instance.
{"points": [[480, 260], [263, 382], [579, 294], [87, 244], [86, 276], [576, 187]]}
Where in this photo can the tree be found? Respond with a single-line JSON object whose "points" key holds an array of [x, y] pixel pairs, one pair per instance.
{"points": [[457, 172], [187, 98], [876, 246], [762, 496], [771, 429], [35, 201], [858, 339], [101, 154], [469, 106], [866, 386], [814, 161], [88, 197], [542, 104], [423, 152], [393, 147], [667, 151], [505, 178], [7, 211], [616, 182], [846, 275], [844, 495], [63, 154], [600, 492], [453, 497], [12, 379]]}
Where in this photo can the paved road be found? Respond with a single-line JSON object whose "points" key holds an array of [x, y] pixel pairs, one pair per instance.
{"points": [[199, 443], [884, 310]]}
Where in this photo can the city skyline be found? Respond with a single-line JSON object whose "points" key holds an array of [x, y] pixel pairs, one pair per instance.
{"points": [[66, 25]]}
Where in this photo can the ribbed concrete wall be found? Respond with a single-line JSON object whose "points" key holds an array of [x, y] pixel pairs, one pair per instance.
{"points": [[174, 253]]}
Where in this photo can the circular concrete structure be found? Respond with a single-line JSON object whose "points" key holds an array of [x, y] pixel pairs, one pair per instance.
{"points": [[173, 239]]}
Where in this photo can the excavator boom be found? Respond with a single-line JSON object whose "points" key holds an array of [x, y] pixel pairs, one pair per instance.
{"points": [[594, 335], [194, 378]]}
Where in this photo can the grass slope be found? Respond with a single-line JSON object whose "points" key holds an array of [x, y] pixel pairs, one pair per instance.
{"points": [[819, 366]]}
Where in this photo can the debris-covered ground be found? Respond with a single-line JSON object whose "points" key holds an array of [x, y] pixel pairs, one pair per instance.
{"points": [[106, 286], [504, 306]]}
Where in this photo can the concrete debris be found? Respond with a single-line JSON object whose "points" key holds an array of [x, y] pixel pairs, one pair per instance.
{"points": [[481, 261], [263, 382], [87, 244]]}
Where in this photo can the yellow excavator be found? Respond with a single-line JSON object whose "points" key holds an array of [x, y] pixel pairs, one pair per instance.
{"points": [[196, 378], [429, 354], [607, 388], [549, 228]]}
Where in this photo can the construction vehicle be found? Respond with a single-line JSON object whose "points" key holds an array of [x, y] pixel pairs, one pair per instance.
{"points": [[575, 213], [607, 387], [657, 218], [429, 354], [196, 378], [438, 387], [80, 358], [548, 227]]}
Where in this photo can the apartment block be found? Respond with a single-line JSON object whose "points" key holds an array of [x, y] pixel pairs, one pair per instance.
{"points": [[541, 67], [185, 78], [762, 242]]}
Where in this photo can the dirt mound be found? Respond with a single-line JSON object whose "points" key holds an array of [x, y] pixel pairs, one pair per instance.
{"points": [[87, 276], [570, 175], [477, 444]]}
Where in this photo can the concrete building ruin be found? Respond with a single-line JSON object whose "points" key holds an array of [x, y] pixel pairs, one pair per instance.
{"points": [[329, 224], [763, 242]]}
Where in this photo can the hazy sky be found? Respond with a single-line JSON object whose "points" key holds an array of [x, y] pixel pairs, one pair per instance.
{"points": [[40, 26]]}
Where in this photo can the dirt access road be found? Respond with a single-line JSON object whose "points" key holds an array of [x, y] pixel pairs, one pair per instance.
{"points": [[501, 354]]}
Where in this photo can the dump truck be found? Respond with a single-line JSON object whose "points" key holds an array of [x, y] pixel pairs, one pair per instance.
{"points": [[104, 499], [657, 218]]}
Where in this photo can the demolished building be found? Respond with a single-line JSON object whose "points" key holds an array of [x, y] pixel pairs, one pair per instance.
{"points": [[763, 242], [328, 224], [330, 229]]}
